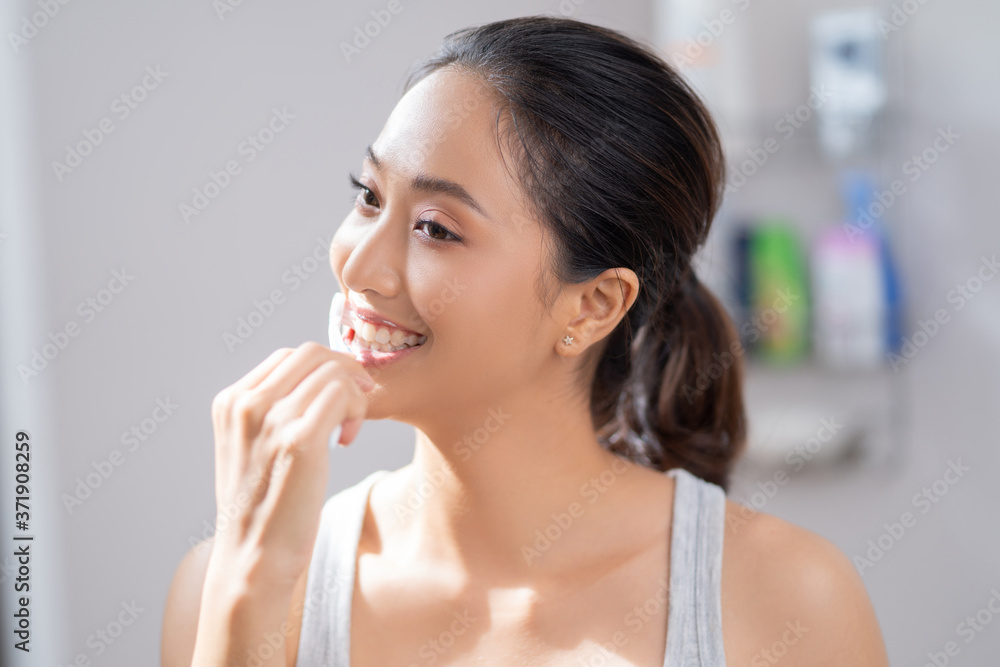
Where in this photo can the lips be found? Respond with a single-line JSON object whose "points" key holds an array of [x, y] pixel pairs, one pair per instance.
{"points": [[374, 317]]}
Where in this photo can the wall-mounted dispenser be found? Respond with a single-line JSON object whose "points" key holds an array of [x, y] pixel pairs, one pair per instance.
{"points": [[846, 63]]}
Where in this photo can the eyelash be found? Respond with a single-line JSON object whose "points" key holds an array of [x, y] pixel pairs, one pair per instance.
{"points": [[358, 185]]}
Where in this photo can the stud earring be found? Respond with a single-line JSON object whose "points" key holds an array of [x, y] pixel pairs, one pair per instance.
{"points": [[567, 340]]}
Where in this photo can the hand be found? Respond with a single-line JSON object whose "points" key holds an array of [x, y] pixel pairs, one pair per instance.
{"points": [[272, 429]]}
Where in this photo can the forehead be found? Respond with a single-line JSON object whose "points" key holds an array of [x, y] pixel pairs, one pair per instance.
{"points": [[445, 126]]}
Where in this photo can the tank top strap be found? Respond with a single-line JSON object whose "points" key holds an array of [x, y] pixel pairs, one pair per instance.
{"points": [[694, 622], [324, 640]]}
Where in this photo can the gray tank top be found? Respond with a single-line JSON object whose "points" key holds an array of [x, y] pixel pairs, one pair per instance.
{"points": [[694, 621]]}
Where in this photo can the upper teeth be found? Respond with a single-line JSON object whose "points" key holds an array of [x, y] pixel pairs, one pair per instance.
{"points": [[384, 335]]}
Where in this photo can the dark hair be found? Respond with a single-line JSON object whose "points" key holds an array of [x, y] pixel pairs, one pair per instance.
{"points": [[624, 167]]}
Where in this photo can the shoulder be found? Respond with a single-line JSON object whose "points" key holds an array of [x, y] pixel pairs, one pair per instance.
{"points": [[180, 615], [786, 589]]}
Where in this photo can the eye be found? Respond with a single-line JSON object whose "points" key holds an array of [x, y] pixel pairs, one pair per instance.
{"points": [[438, 231], [365, 193], [449, 236]]}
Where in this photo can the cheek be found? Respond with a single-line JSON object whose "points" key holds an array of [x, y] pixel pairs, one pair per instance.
{"points": [[442, 302], [477, 308]]}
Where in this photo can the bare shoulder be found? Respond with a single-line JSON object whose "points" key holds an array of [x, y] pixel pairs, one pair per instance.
{"points": [[180, 615], [789, 591]]}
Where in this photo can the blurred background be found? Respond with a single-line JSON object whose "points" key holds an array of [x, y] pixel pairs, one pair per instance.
{"points": [[171, 175]]}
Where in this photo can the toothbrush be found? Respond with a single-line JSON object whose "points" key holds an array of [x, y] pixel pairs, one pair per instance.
{"points": [[337, 320], [337, 344]]}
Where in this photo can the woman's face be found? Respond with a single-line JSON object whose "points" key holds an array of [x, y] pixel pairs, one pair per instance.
{"points": [[459, 269]]}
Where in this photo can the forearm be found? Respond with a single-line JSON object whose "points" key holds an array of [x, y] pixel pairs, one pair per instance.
{"points": [[242, 624]]}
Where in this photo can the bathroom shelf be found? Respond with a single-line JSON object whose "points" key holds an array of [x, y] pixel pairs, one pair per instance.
{"points": [[818, 414]]}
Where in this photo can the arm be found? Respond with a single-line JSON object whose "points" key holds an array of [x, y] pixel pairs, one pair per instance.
{"points": [[230, 605]]}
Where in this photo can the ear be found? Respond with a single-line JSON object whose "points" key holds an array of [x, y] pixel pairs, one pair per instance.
{"points": [[598, 306]]}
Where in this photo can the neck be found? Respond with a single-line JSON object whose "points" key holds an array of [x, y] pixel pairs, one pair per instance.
{"points": [[510, 489]]}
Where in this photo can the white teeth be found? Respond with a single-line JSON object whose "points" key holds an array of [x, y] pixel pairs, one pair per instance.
{"points": [[382, 339]]}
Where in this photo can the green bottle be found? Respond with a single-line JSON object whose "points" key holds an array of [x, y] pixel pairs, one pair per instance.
{"points": [[779, 292]]}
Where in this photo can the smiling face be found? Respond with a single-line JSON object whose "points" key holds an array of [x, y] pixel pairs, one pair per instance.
{"points": [[442, 242]]}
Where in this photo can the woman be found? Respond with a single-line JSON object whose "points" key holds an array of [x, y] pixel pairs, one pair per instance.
{"points": [[530, 211]]}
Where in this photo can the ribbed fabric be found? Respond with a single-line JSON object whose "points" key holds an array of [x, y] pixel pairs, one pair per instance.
{"points": [[325, 638], [694, 622]]}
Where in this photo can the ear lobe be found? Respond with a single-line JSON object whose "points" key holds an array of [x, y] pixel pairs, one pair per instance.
{"points": [[603, 302]]}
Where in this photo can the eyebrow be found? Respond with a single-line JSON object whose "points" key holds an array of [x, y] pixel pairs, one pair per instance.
{"points": [[425, 183]]}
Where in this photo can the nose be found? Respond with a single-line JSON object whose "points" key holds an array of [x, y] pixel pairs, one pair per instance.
{"points": [[370, 256]]}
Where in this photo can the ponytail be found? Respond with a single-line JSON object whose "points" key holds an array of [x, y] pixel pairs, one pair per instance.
{"points": [[676, 400]]}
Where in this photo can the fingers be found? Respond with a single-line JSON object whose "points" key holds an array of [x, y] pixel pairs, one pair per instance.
{"points": [[263, 369], [296, 366], [357, 371], [271, 430], [327, 410], [329, 397], [295, 404]]}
